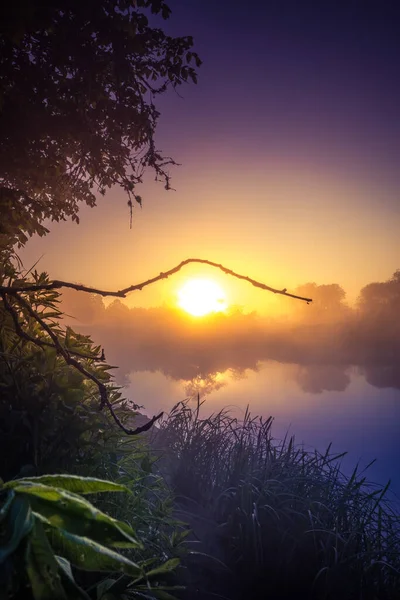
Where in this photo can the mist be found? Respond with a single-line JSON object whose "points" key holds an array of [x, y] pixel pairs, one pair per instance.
{"points": [[324, 338]]}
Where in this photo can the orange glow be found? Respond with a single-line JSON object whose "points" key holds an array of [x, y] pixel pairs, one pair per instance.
{"points": [[200, 297]]}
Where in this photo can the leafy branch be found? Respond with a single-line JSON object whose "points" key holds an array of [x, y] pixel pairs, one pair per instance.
{"points": [[67, 356], [19, 287]]}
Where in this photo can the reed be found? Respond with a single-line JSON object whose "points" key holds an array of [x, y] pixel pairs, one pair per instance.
{"points": [[286, 522]]}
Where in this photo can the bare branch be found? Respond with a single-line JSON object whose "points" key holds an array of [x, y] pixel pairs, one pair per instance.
{"points": [[139, 286]]}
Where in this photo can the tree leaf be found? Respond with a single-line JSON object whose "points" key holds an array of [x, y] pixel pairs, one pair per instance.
{"points": [[73, 483], [75, 514]]}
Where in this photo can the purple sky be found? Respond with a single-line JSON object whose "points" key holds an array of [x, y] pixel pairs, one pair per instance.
{"points": [[289, 147], [315, 79]]}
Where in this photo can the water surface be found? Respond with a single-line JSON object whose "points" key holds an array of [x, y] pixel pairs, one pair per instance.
{"points": [[309, 403]]}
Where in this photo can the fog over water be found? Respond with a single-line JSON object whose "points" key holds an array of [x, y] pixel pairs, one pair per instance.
{"points": [[328, 372]]}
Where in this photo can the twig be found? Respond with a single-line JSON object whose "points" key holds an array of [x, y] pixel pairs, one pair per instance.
{"points": [[139, 286]]}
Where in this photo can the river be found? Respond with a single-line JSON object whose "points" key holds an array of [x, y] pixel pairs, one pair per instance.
{"points": [[318, 405]]}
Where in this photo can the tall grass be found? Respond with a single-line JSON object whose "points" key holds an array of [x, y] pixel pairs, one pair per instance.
{"points": [[286, 522]]}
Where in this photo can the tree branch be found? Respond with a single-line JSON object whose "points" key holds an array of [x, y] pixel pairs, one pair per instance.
{"points": [[41, 343], [139, 286], [18, 328]]}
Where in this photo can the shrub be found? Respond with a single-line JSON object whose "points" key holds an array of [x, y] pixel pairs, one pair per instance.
{"points": [[49, 411]]}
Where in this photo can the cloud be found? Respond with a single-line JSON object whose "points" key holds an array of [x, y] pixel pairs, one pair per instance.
{"points": [[324, 339]]}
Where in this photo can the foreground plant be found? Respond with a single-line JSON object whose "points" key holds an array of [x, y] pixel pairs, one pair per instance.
{"points": [[48, 530]]}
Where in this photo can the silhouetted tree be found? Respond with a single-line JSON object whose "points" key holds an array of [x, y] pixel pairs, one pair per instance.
{"points": [[78, 80], [328, 302], [381, 298]]}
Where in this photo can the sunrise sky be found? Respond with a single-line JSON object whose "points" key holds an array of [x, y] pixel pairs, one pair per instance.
{"points": [[289, 147]]}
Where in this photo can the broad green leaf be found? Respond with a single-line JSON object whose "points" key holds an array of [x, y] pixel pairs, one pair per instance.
{"points": [[103, 587], [168, 566], [75, 514], [42, 567], [115, 589], [88, 555], [64, 565], [17, 525], [73, 591], [73, 483]]}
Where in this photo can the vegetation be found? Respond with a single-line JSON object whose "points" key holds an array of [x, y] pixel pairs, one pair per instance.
{"points": [[50, 422], [78, 83], [47, 528], [49, 410], [286, 523], [267, 517]]}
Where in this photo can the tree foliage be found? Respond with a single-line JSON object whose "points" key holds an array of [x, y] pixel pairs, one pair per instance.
{"points": [[78, 81], [329, 302], [381, 298]]}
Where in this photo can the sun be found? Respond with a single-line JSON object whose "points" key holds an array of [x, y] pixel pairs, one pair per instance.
{"points": [[200, 297]]}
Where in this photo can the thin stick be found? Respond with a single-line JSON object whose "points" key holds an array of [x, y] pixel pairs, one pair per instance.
{"points": [[139, 286]]}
